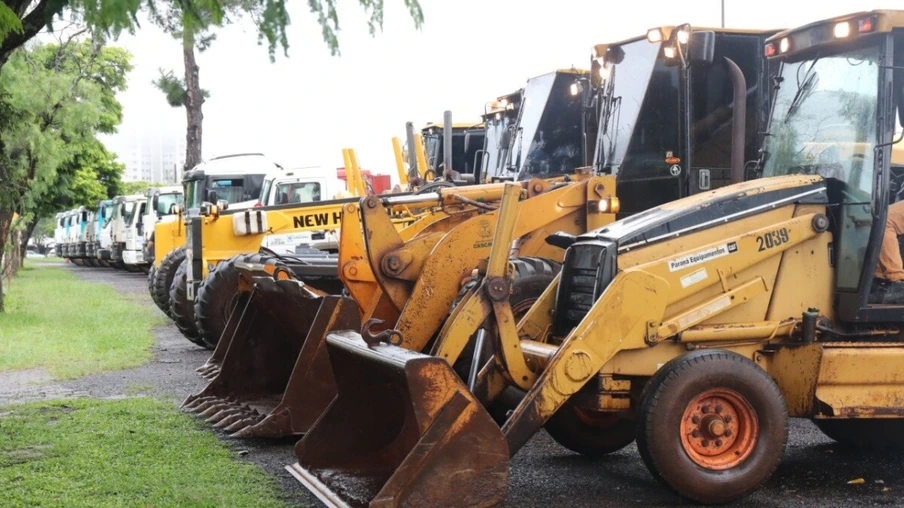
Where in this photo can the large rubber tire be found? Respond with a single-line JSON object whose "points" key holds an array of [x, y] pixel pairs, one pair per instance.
{"points": [[532, 277], [873, 434], [152, 275], [183, 310], [163, 281], [696, 385], [589, 433], [217, 294]]}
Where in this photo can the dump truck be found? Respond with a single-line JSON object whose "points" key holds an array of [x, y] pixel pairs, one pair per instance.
{"points": [[525, 150], [102, 214], [127, 213], [708, 321]]}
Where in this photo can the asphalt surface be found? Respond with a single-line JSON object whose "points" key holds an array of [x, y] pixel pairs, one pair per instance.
{"points": [[815, 471]]}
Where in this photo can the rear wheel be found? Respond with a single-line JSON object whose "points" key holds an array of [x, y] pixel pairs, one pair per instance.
{"points": [[590, 433], [871, 433], [163, 281], [713, 426], [183, 311], [217, 295]]}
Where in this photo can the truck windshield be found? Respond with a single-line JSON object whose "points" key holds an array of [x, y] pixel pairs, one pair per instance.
{"points": [[824, 120], [297, 192], [550, 141], [129, 211], [640, 120], [165, 203]]}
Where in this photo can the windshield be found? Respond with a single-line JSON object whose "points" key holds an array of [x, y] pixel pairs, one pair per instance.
{"points": [[297, 192], [550, 141], [193, 193], [433, 148], [129, 211], [165, 203], [824, 120], [637, 128], [264, 197], [496, 125]]}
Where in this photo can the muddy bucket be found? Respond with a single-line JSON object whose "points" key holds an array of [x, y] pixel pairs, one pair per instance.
{"points": [[269, 333], [402, 431]]}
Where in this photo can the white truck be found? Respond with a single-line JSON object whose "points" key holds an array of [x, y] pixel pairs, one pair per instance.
{"points": [[126, 211], [301, 185], [146, 212]]}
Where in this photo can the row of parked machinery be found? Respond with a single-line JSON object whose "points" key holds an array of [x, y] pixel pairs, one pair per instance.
{"points": [[677, 248]]}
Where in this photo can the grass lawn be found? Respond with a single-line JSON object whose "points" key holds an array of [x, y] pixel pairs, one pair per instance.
{"points": [[71, 327], [127, 452]]}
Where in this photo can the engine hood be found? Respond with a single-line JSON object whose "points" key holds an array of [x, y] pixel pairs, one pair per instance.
{"points": [[705, 210]]}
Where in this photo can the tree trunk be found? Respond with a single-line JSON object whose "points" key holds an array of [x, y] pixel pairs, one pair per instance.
{"points": [[26, 236], [193, 102], [6, 219]]}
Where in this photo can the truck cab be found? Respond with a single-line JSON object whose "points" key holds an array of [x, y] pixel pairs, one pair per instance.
{"points": [[159, 203], [297, 186]]}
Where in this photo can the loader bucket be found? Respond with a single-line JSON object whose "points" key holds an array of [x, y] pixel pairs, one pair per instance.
{"points": [[266, 358], [402, 431]]}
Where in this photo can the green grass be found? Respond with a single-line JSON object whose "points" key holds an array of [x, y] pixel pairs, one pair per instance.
{"points": [[128, 452], [71, 327]]}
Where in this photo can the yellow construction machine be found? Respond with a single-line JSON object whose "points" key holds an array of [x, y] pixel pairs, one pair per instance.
{"points": [[705, 322]]}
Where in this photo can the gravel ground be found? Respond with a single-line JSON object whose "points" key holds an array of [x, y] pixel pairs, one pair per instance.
{"points": [[814, 472]]}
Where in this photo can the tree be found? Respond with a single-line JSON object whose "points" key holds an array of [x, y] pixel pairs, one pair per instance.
{"points": [[58, 97], [21, 20]]}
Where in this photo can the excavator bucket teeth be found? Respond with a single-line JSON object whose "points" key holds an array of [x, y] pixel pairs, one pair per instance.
{"points": [[402, 431], [276, 367]]}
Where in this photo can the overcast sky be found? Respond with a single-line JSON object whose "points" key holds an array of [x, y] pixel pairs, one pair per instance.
{"points": [[304, 108]]}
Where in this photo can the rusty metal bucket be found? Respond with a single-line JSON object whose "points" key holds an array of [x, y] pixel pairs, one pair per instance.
{"points": [[274, 378], [403, 431]]}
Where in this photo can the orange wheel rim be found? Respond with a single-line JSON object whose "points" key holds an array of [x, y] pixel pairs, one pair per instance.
{"points": [[719, 429]]}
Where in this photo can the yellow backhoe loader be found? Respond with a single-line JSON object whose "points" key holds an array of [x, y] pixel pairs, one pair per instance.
{"points": [[708, 321]]}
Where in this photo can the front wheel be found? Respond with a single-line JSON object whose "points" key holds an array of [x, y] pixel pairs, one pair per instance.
{"points": [[713, 426], [183, 310]]}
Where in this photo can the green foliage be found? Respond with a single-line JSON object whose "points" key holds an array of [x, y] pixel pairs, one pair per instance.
{"points": [[114, 16], [128, 452], [172, 87], [104, 331], [61, 96], [140, 187]]}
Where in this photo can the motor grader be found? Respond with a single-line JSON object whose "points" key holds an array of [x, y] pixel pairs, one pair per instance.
{"points": [[248, 395], [705, 322]]}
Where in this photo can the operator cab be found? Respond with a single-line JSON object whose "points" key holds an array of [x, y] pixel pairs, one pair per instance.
{"points": [[467, 148], [837, 113], [235, 179], [665, 106]]}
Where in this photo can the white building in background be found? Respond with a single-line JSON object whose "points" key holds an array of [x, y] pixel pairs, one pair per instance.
{"points": [[154, 155]]}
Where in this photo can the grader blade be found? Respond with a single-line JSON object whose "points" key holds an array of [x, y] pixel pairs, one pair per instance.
{"points": [[246, 395], [402, 431]]}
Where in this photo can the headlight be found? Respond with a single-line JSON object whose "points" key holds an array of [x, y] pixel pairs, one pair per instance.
{"points": [[654, 35], [608, 205]]}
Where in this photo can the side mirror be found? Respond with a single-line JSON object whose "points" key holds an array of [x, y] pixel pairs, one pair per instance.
{"points": [[212, 196], [175, 209], [222, 204], [701, 47]]}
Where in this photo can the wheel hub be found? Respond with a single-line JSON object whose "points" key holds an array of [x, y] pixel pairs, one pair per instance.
{"points": [[719, 429]]}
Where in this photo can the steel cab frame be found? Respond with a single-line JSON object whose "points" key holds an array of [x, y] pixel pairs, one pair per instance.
{"points": [[660, 114], [840, 88]]}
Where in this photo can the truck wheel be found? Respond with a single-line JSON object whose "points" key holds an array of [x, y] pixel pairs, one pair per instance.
{"points": [[590, 433], [217, 295], [532, 277], [713, 426], [182, 309], [152, 274], [874, 434], [163, 281]]}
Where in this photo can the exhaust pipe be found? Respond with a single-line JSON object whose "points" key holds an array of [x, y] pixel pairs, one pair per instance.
{"points": [[413, 171], [447, 141], [738, 121]]}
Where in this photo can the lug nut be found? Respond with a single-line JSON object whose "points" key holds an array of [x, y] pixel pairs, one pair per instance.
{"points": [[718, 409], [727, 432], [705, 409], [727, 418], [695, 433], [705, 443], [718, 442], [695, 419]]}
